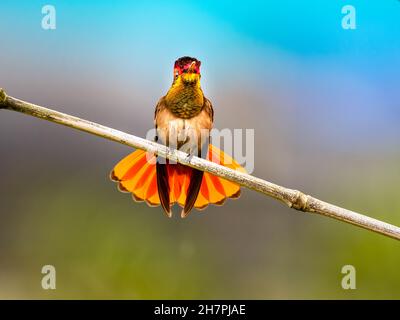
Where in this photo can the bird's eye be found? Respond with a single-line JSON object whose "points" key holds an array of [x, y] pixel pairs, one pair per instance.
{"points": [[176, 72]]}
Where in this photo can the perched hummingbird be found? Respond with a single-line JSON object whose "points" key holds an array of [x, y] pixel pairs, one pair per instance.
{"points": [[183, 117]]}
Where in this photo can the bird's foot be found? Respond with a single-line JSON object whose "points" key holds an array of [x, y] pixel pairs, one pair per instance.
{"points": [[189, 157]]}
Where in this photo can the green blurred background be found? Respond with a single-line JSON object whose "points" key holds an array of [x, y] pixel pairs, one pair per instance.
{"points": [[324, 103]]}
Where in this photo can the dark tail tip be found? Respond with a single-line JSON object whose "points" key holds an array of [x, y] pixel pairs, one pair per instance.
{"points": [[192, 192]]}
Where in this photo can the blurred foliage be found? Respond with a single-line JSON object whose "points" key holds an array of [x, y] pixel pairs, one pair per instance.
{"points": [[104, 245]]}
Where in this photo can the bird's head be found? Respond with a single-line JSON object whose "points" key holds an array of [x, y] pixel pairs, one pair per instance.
{"points": [[187, 70]]}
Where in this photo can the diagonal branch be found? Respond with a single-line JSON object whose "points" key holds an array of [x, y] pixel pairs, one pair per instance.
{"points": [[293, 198]]}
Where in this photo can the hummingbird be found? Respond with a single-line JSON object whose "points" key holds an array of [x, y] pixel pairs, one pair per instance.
{"points": [[183, 120]]}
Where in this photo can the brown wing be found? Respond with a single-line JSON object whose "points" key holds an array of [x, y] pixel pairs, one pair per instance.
{"points": [[208, 108], [161, 168], [159, 108]]}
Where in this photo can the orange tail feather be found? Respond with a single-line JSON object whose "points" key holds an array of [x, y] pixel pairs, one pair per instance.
{"points": [[136, 174]]}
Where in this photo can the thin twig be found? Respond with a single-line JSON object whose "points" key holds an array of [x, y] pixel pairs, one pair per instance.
{"points": [[293, 198]]}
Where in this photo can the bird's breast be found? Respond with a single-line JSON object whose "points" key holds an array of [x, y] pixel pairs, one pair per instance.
{"points": [[176, 131], [185, 101]]}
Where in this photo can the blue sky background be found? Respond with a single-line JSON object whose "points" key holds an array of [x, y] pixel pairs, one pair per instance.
{"points": [[297, 48]]}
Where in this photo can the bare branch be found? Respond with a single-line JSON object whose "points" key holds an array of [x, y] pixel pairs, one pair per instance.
{"points": [[293, 198]]}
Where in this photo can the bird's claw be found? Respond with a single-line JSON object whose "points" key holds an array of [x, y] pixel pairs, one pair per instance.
{"points": [[189, 157]]}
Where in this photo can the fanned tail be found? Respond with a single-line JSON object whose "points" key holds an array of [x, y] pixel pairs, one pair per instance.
{"points": [[136, 174]]}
